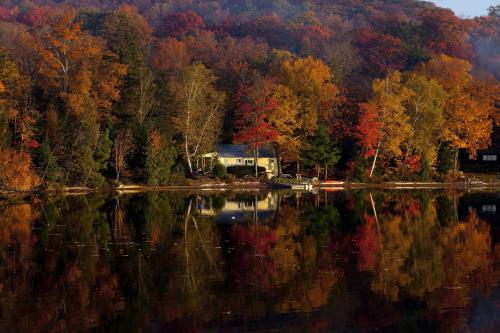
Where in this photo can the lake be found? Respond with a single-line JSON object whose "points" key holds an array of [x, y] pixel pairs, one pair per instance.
{"points": [[350, 261]]}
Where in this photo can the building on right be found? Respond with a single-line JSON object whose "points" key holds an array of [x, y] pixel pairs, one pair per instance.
{"points": [[487, 160]]}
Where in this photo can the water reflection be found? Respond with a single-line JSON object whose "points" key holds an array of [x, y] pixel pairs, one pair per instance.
{"points": [[348, 261]]}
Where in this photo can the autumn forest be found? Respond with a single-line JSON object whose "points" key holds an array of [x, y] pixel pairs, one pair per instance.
{"points": [[95, 92]]}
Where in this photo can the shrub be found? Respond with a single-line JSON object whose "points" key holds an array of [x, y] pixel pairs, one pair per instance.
{"points": [[218, 202], [219, 171], [241, 171]]}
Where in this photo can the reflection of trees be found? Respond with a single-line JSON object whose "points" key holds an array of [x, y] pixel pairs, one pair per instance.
{"points": [[414, 255], [83, 262], [196, 257], [283, 262], [60, 283]]}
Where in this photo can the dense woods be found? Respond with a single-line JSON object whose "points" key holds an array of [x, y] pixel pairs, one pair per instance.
{"points": [[135, 92]]}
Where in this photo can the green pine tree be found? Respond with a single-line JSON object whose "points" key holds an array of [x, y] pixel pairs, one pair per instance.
{"points": [[160, 157], [320, 151]]}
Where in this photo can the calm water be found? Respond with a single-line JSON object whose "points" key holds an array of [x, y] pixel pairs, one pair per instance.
{"points": [[263, 262]]}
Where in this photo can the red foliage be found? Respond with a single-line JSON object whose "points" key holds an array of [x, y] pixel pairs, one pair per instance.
{"points": [[313, 38], [180, 24], [345, 113], [252, 244], [36, 16], [381, 53], [368, 243], [446, 33], [8, 14], [170, 54], [251, 117], [368, 129]]}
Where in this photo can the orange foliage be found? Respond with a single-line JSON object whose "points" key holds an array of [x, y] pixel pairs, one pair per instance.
{"points": [[74, 67], [16, 171], [171, 54]]}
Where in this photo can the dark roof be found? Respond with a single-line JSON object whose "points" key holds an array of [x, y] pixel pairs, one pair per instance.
{"points": [[225, 150], [493, 149]]}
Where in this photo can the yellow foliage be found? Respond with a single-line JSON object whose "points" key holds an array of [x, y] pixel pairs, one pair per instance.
{"points": [[310, 80], [469, 108], [389, 99]]}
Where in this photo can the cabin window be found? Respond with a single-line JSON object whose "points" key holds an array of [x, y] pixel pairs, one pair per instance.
{"points": [[249, 162], [239, 161], [489, 157], [489, 208]]}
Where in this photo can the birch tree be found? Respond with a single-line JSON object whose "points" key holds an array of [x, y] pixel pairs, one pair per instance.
{"points": [[197, 118], [384, 119]]}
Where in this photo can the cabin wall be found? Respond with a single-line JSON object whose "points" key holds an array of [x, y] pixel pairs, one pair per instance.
{"points": [[270, 164]]}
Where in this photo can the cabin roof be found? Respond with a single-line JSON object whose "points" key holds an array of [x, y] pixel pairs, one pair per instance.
{"points": [[229, 150], [492, 149]]}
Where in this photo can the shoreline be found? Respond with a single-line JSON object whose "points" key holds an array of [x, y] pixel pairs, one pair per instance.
{"points": [[258, 186]]}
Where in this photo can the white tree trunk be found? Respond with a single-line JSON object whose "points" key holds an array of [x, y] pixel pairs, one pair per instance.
{"points": [[375, 160], [257, 162]]}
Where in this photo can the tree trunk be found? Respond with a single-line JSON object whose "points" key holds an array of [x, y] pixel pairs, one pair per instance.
{"points": [[455, 162], [278, 158], [375, 160], [326, 171], [256, 152], [317, 170], [188, 157], [298, 167], [190, 165]]}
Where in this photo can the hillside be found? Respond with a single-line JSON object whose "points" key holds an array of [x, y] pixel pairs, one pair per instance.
{"points": [[95, 90]]}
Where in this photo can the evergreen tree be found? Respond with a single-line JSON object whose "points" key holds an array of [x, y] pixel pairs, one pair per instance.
{"points": [[446, 156], [320, 151], [160, 156]]}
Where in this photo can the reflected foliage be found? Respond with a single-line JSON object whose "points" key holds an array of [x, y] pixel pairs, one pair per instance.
{"points": [[200, 261]]}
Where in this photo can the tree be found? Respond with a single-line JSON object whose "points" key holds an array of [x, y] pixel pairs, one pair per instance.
{"points": [[170, 55], [320, 151], [198, 113], [469, 108], [494, 11], [128, 36], [386, 109], [74, 65], [17, 172], [381, 53], [159, 159], [121, 149], [17, 114], [425, 109], [311, 81], [444, 32], [81, 82], [251, 123], [446, 158], [284, 117], [180, 24]]}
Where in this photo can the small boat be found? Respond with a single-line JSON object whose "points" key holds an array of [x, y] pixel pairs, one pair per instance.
{"points": [[333, 189], [307, 187], [332, 183]]}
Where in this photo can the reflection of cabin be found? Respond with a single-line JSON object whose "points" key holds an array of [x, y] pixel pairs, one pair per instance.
{"points": [[488, 160], [240, 210], [242, 155]]}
